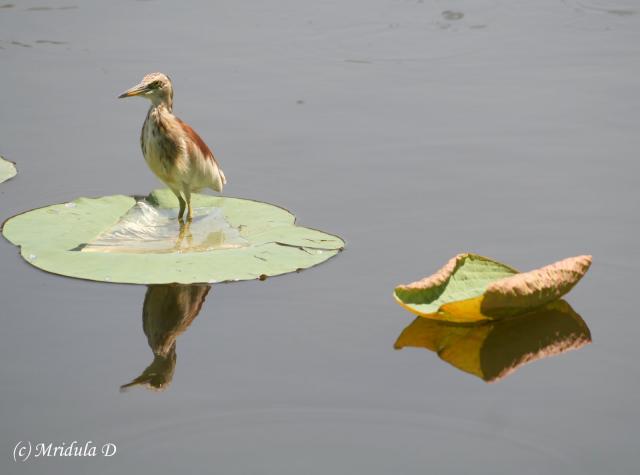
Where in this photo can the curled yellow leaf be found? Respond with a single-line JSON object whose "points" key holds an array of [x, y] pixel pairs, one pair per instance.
{"points": [[472, 288]]}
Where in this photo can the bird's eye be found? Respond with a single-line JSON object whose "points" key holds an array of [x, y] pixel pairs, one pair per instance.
{"points": [[154, 85]]}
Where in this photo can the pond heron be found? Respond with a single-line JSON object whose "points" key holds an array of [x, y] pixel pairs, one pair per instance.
{"points": [[174, 152]]}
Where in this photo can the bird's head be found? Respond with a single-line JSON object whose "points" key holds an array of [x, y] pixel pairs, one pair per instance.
{"points": [[156, 87]]}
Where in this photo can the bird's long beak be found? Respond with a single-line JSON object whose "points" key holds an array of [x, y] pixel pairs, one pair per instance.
{"points": [[134, 91]]}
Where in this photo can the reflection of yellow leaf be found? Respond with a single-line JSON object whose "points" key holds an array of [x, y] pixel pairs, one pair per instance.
{"points": [[495, 349], [472, 288]]}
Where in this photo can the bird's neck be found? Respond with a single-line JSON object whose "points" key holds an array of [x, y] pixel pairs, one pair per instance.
{"points": [[162, 101], [160, 107]]}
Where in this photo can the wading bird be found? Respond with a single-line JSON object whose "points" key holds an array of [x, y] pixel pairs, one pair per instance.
{"points": [[174, 151]]}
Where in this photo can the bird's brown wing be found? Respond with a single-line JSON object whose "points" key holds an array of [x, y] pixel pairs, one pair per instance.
{"points": [[197, 141]]}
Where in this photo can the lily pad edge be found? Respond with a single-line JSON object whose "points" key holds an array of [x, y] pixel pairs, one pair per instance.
{"points": [[15, 170]]}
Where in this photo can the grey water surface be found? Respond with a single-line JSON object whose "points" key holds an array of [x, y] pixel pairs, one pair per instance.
{"points": [[413, 129]]}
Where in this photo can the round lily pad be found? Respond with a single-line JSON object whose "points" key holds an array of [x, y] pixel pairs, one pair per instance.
{"points": [[140, 241], [7, 170]]}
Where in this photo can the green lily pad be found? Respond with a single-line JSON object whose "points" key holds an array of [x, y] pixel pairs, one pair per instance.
{"points": [[247, 240], [7, 170], [472, 288]]}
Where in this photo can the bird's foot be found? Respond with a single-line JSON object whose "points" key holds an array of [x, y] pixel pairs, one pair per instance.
{"points": [[185, 231]]}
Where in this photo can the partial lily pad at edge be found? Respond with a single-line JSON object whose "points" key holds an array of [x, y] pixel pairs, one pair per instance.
{"points": [[7, 170], [471, 288], [52, 238]]}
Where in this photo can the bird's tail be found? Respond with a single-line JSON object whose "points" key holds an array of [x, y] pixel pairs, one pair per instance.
{"points": [[218, 180]]}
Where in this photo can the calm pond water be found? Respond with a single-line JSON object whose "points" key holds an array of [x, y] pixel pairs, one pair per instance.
{"points": [[413, 129]]}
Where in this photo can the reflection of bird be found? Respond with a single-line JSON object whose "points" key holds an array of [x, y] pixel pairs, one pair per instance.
{"points": [[493, 350], [167, 312], [173, 150]]}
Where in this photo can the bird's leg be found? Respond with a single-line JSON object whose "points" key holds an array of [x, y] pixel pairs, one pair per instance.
{"points": [[181, 202], [187, 195], [189, 235], [180, 235], [185, 231], [182, 207]]}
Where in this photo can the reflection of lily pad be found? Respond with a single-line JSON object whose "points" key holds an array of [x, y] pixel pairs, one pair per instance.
{"points": [[56, 238], [472, 288], [496, 349], [7, 170]]}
